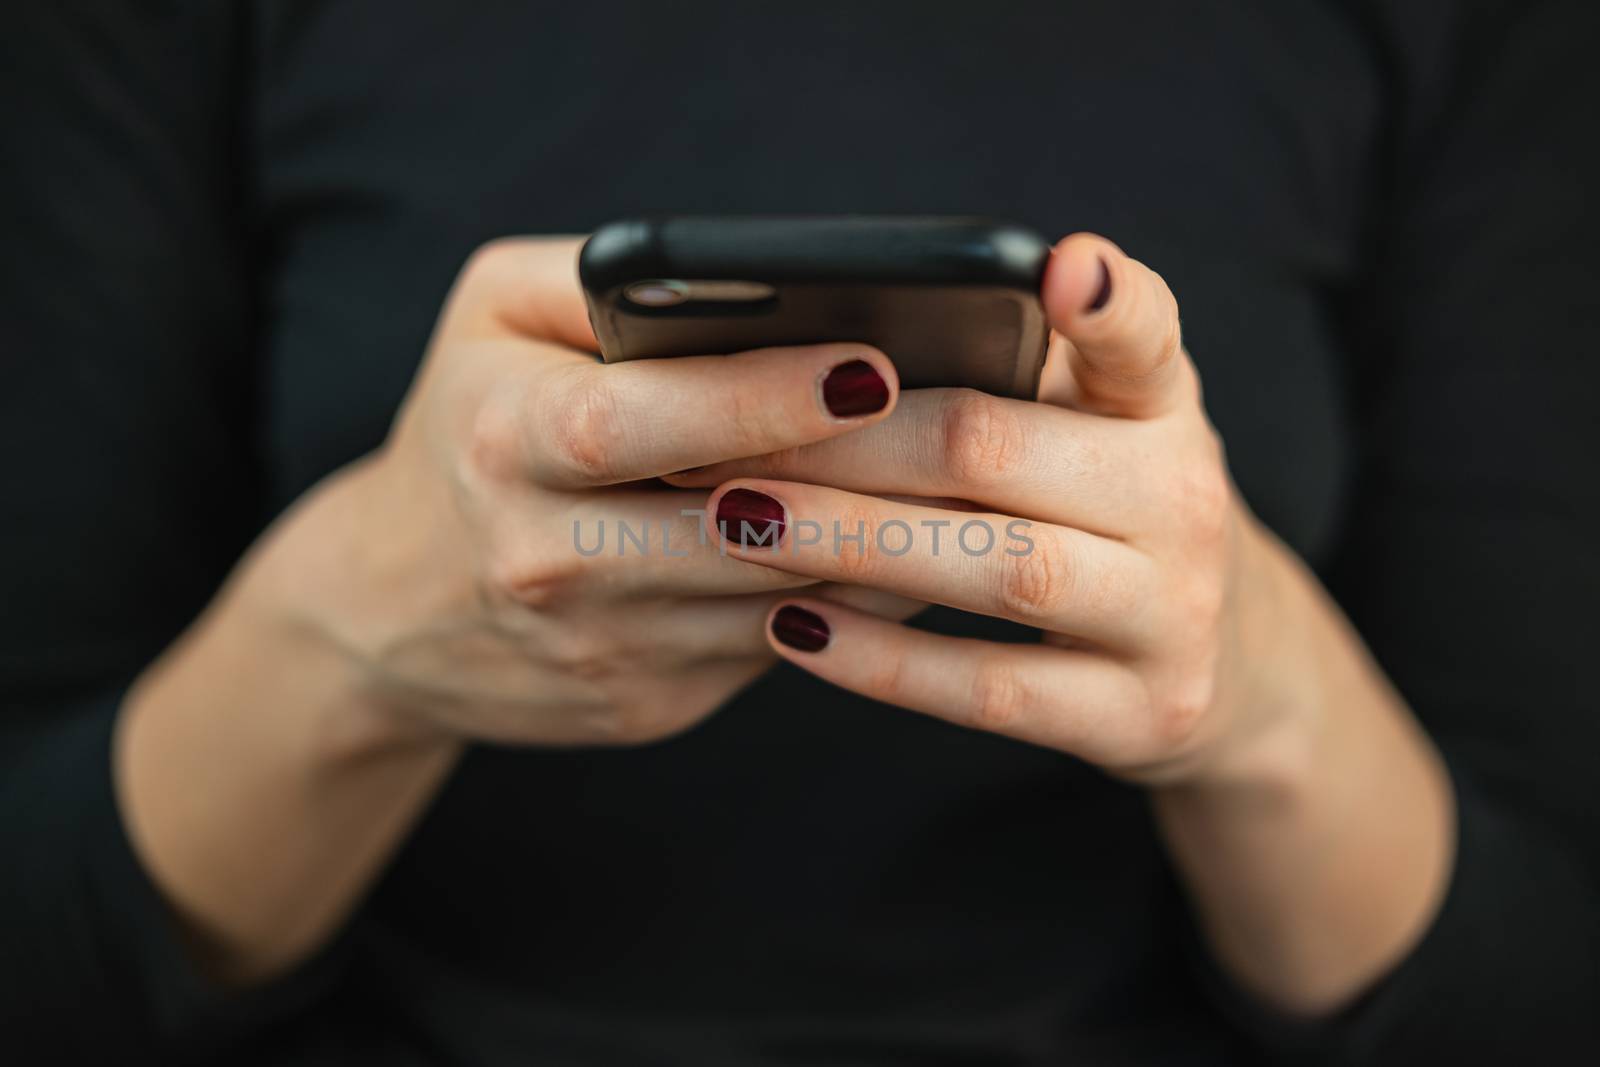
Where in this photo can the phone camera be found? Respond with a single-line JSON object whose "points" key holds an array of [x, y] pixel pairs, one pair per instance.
{"points": [[656, 294], [663, 293]]}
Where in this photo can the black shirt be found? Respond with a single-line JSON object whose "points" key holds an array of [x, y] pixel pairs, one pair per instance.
{"points": [[228, 228]]}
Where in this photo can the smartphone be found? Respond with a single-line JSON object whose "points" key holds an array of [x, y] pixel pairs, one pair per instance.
{"points": [[952, 301]]}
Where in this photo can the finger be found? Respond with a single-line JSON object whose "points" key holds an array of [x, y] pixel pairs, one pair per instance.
{"points": [[872, 601], [695, 629], [1013, 456], [1078, 702], [660, 548], [525, 287], [1053, 577], [681, 632], [594, 424], [1120, 323], [629, 543]]}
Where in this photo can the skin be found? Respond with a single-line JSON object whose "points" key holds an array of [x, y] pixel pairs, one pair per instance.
{"points": [[269, 763], [1184, 648], [429, 595]]}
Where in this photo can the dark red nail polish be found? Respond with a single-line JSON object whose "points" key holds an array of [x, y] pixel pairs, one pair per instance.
{"points": [[750, 519], [1104, 294], [799, 628], [855, 388]]}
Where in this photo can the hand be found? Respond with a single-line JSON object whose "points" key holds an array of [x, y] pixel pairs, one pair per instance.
{"points": [[1182, 646], [461, 594], [432, 594], [1134, 555]]}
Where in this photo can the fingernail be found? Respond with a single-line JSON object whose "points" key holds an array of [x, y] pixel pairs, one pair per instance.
{"points": [[799, 628], [855, 388], [750, 519], [1103, 296]]}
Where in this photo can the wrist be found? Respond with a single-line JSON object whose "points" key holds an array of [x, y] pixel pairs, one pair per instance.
{"points": [[316, 592], [1316, 840], [310, 776], [1273, 679]]}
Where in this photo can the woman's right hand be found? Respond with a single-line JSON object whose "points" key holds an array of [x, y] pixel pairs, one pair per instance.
{"points": [[272, 759], [459, 593]]}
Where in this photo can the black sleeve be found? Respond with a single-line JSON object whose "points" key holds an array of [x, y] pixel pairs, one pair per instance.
{"points": [[128, 489], [1472, 566]]}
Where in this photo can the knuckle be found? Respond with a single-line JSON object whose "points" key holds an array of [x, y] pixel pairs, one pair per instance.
{"points": [[582, 653], [586, 429], [1203, 498], [981, 438], [1183, 707], [855, 560], [1035, 585], [998, 695], [888, 680], [494, 441], [528, 579]]}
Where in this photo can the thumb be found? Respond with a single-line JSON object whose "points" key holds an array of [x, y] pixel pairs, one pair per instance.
{"points": [[1120, 324], [522, 287]]}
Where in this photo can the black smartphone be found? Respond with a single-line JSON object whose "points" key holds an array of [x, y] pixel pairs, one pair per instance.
{"points": [[952, 301]]}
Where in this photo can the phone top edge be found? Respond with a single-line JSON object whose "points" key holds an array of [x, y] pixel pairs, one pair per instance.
{"points": [[799, 249]]}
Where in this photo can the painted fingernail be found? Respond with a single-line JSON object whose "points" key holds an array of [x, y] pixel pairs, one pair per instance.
{"points": [[801, 629], [855, 388], [750, 519], [1103, 295]]}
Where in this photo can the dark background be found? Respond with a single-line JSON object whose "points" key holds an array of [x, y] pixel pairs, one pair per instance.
{"points": [[228, 229]]}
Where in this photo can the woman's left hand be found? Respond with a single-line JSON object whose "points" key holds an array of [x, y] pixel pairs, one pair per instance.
{"points": [[1183, 646], [1134, 555]]}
